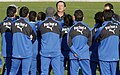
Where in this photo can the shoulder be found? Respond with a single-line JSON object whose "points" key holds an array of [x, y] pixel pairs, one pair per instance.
{"points": [[72, 27], [86, 25]]}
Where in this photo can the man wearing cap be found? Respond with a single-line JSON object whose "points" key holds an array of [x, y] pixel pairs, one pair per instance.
{"points": [[50, 51]]}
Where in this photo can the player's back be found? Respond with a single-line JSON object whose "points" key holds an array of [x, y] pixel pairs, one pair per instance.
{"points": [[5, 29], [109, 42], [80, 34], [22, 38], [50, 31]]}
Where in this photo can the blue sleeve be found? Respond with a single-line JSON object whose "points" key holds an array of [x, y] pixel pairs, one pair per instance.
{"points": [[99, 30], [33, 27], [69, 42]]}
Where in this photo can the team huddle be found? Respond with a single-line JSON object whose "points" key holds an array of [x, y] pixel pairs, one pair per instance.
{"points": [[35, 44]]}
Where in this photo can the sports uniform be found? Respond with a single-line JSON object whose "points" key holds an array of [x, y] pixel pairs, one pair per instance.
{"points": [[5, 29], [108, 50], [79, 39], [23, 37]]}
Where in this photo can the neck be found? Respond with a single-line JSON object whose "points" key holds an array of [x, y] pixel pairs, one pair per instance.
{"points": [[49, 16], [12, 17], [25, 17], [60, 14]]}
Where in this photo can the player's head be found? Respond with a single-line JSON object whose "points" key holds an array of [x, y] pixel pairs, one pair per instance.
{"points": [[68, 21], [78, 14], [24, 11], [11, 11], [60, 6], [107, 15], [32, 16], [98, 17], [17, 8], [41, 16], [108, 6], [50, 11]]}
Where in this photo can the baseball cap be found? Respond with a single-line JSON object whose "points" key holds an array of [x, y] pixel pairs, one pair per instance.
{"points": [[50, 11]]}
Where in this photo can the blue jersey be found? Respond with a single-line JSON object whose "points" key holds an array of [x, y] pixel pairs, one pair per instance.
{"points": [[23, 37], [5, 29], [108, 37], [50, 30], [79, 40]]}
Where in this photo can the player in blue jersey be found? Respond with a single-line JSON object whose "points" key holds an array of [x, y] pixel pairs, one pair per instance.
{"points": [[5, 30], [115, 18], [59, 15], [50, 52], [23, 37], [65, 63], [108, 49], [79, 40], [94, 62], [16, 18], [40, 17], [33, 67]]}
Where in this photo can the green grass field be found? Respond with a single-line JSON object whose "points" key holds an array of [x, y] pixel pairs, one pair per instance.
{"points": [[89, 8]]}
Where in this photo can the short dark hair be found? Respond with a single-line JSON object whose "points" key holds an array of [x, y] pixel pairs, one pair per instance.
{"points": [[11, 11], [108, 14], [24, 11], [41, 16], [68, 20], [78, 15], [50, 11], [109, 4], [61, 2], [32, 15], [98, 17]]}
